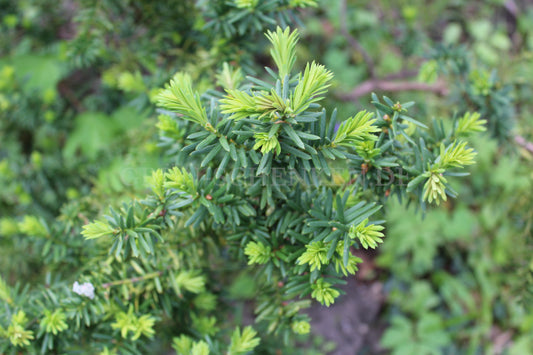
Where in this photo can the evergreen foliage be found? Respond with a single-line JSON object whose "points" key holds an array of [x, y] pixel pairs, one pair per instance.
{"points": [[260, 198]]}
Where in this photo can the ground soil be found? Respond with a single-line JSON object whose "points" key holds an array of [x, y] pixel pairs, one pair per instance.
{"points": [[353, 321]]}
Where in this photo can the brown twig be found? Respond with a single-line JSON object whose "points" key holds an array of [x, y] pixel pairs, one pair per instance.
{"points": [[133, 279], [521, 141], [404, 74], [354, 42], [372, 85]]}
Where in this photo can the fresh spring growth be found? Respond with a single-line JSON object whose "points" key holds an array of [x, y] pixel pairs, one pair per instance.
{"points": [[156, 182], [283, 49], [86, 289], [191, 281], [434, 189], [470, 123], [359, 128], [184, 345], [129, 322], [168, 126], [246, 4], [205, 301], [5, 292], [324, 293], [315, 255], [311, 87], [96, 230], [240, 104], [257, 253], [204, 325], [455, 155], [351, 268], [31, 225], [243, 343], [369, 235], [18, 336], [229, 78], [131, 82], [180, 97], [303, 3], [8, 227], [301, 327], [180, 180], [54, 322], [266, 142]]}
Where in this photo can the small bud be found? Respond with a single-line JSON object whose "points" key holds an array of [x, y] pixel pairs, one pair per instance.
{"points": [[209, 197], [397, 107]]}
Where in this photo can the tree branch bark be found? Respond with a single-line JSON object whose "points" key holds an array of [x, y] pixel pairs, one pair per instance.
{"points": [[521, 141], [372, 85]]}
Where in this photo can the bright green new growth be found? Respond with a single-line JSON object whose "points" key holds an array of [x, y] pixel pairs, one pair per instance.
{"points": [[246, 4], [275, 104], [180, 180], [205, 325], [267, 142], [242, 343], [456, 155], [5, 293], [301, 327], [350, 268], [311, 85], [324, 293], [315, 255], [31, 225], [303, 3], [180, 97], [190, 281], [16, 332], [470, 123], [229, 78], [369, 235], [357, 129], [97, 229], [283, 49], [157, 183], [138, 326], [257, 253], [239, 104], [434, 189], [54, 322]]}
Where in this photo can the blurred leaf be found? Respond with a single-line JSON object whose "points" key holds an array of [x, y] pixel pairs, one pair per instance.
{"points": [[92, 133]]}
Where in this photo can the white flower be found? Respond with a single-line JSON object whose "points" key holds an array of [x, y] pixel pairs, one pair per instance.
{"points": [[86, 289]]}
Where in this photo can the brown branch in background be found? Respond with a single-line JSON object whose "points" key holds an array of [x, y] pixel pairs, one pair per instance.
{"points": [[354, 42], [372, 85], [521, 141], [404, 74], [133, 279]]}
